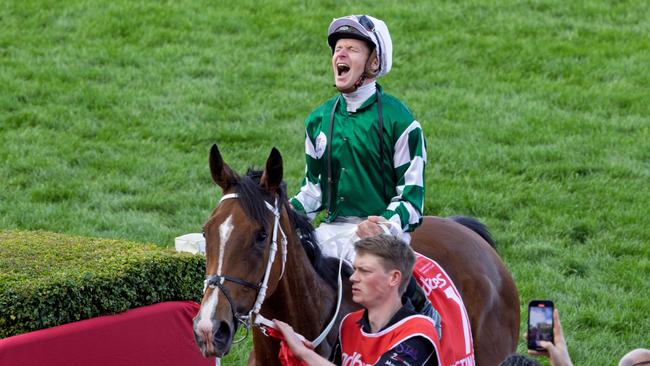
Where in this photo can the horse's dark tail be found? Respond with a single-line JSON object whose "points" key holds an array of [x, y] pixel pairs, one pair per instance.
{"points": [[476, 226]]}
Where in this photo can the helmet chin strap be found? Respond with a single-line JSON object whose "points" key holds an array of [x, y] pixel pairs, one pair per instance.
{"points": [[357, 85], [362, 79]]}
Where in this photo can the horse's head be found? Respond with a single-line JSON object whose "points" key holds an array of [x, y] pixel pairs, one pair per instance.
{"points": [[240, 245]]}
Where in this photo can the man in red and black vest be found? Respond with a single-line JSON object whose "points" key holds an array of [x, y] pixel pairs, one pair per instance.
{"points": [[388, 331]]}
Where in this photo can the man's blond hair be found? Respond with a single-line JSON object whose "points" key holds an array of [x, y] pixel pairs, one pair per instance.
{"points": [[394, 253]]}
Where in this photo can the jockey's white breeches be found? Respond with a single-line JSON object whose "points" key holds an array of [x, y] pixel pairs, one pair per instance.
{"points": [[337, 238]]}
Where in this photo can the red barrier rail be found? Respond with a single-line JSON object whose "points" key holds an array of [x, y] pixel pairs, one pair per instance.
{"points": [[159, 335]]}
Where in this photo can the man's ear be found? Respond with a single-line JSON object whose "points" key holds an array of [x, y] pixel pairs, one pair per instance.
{"points": [[374, 62], [374, 66], [395, 278]]}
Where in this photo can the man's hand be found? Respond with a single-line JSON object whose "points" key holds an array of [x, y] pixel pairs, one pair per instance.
{"points": [[299, 348], [370, 227], [302, 350]]}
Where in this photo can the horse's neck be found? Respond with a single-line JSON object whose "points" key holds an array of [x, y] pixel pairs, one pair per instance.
{"points": [[302, 299]]}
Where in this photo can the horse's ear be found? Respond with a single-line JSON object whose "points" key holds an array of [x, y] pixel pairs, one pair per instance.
{"points": [[221, 172], [272, 176]]}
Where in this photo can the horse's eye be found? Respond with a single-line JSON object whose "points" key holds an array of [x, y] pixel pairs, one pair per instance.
{"points": [[261, 236]]}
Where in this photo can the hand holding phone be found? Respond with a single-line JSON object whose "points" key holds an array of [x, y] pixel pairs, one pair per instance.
{"points": [[556, 350], [540, 324]]}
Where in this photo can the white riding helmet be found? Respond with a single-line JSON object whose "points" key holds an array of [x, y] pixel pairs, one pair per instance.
{"points": [[366, 28]]}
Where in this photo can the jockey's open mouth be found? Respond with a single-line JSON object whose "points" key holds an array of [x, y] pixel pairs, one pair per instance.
{"points": [[342, 68]]}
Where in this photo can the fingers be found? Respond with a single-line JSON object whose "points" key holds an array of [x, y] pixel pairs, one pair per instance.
{"points": [[558, 334], [284, 328], [368, 228], [376, 219], [289, 333], [548, 346], [300, 347], [548, 349], [537, 353]]}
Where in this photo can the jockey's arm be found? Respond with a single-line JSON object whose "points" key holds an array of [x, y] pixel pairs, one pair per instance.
{"points": [[404, 212], [309, 199]]}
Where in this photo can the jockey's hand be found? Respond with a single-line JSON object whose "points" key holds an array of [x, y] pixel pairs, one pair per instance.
{"points": [[371, 227]]}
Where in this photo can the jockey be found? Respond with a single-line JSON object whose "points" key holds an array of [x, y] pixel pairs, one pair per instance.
{"points": [[366, 185], [365, 152], [387, 331]]}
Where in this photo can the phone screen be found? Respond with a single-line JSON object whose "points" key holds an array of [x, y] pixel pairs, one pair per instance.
{"points": [[540, 323]]}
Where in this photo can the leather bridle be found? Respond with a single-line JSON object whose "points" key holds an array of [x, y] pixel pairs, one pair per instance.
{"points": [[218, 280]]}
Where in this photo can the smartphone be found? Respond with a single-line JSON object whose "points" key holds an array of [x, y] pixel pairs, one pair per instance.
{"points": [[540, 323]]}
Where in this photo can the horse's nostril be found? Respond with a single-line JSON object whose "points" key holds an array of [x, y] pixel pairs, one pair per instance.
{"points": [[223, 335]]}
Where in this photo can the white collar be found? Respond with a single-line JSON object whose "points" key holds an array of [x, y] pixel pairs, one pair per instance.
{"points": [[355, 99]]}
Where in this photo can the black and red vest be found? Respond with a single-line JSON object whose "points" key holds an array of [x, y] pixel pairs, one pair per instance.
{"points": [[359, 348]]}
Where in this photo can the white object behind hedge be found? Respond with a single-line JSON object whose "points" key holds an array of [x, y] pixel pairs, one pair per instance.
{"points": [[191, 243]]}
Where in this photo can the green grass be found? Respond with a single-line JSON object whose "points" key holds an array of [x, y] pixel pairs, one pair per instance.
{"points": [[537, 118]]}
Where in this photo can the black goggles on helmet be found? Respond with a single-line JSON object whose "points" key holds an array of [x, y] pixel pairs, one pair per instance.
{"points": [[368, 24]]}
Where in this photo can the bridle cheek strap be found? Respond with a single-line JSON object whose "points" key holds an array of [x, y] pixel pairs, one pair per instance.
{"points": [[277, 228], [261, 295]]}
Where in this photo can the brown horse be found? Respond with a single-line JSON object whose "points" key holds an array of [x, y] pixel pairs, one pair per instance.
{"points": [[261, 259]]}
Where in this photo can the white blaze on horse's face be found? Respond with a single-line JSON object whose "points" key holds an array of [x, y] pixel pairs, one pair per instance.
{"points": [[225, 229], [206, 313]]}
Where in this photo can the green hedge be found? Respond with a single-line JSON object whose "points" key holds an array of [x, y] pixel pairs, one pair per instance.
{"points": [[49, 279]]}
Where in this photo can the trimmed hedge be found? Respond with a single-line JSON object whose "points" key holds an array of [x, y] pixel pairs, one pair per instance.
{"points": [[49, 279]]}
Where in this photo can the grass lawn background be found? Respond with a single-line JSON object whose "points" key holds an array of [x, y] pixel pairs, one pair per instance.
{"points": [[536, 113]]}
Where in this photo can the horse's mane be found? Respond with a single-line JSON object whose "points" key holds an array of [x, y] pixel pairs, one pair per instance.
{"points": [[253, 198]]}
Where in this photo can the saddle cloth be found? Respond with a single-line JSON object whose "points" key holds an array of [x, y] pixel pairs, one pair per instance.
{"points": [[457, 346]]}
